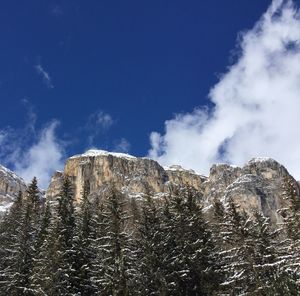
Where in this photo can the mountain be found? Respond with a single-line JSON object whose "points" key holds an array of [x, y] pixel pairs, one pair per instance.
{"points": [[168, 246], [256, 185], [10, 186]]}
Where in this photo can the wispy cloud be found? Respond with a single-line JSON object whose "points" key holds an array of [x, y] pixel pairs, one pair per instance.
{"points": [[103, 120], [257, 103], [45, 75], [31, 152], [122, 145], [98, 123], [57, 11], [42, 158]]}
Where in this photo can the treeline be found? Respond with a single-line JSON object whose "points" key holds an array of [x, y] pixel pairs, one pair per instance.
{"points": [[111, 246]]}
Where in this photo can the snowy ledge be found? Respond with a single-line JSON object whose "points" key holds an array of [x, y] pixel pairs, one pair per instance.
{"points": [[261, 159], [95, 152], [10, 173]]}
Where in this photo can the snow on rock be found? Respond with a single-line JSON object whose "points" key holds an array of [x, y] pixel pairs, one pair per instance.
{"points": [[256, 185], [10, 186], [261, 159], [95, 152], [134, 175]]}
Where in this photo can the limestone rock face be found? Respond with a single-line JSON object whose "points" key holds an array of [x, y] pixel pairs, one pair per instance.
{"points": [[181, 177], [220, 177], [131, 175], [10, 186], [55, 184], [257, 185]]}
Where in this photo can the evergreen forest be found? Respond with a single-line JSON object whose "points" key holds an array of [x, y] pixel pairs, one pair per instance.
{"points": [[115, 245]]}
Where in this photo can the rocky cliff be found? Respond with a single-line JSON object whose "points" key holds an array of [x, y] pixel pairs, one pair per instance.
{"points": [[10, 186], [131, 175], [257, 185]]}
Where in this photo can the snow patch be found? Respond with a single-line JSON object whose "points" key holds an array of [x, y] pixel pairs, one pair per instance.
{"points": [[178, 168], [11, 174], [5, 207], [261, 159], [95, 152], [220, 164]]}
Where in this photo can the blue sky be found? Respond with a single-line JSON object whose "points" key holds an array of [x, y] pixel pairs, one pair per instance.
{"points": [[108, 74]]}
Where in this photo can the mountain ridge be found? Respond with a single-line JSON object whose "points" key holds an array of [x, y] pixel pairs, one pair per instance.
{"points": [[256, 185]]}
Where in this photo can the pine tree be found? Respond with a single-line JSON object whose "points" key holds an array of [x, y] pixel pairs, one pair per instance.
{"points": [[237, 251], [22, 240], [270, 278], [251, 264], [116, 250], [190, 265], [62, 246], [10, 229], [151, 250], [83, 246], [42, 272], [98, 232], [290, 245], [217, 225]]}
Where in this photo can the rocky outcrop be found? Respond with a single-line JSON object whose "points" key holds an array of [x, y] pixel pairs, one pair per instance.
{"points": [[179, 176], [131, 175], [10, 186], [257, 185]]}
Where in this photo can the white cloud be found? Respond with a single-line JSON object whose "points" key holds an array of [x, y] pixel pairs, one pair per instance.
{"points": [[42, 158], [122, 145], [30, 152], [257, 103], [98, 123], [45, 75], [103, 120]]}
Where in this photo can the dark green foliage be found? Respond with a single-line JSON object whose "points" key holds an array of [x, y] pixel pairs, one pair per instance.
{"points": [[63, 233], [85, 255], [10, 236], [20, 230], [116, 250], [250, 261], [290, 240], [164, 247], [189, 261], [151, 250]]}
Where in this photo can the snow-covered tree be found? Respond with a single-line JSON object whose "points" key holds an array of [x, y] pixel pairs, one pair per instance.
{"points": [[189, 262], [61, 243], [290, 245], [19, 232], [44, 267], [10, 229], [151, 250], [237, 251], [83, 247], [116, 250]]}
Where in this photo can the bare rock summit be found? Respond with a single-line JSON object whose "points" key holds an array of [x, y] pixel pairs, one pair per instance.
{"points": [[256, 185]]}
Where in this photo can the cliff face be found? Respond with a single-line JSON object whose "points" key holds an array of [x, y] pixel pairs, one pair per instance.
{"points": [[10, 185], [257, 185], [131, 175]]}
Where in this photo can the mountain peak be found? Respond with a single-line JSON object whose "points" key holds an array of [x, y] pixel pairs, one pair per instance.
{"points": [[96, 152]]}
